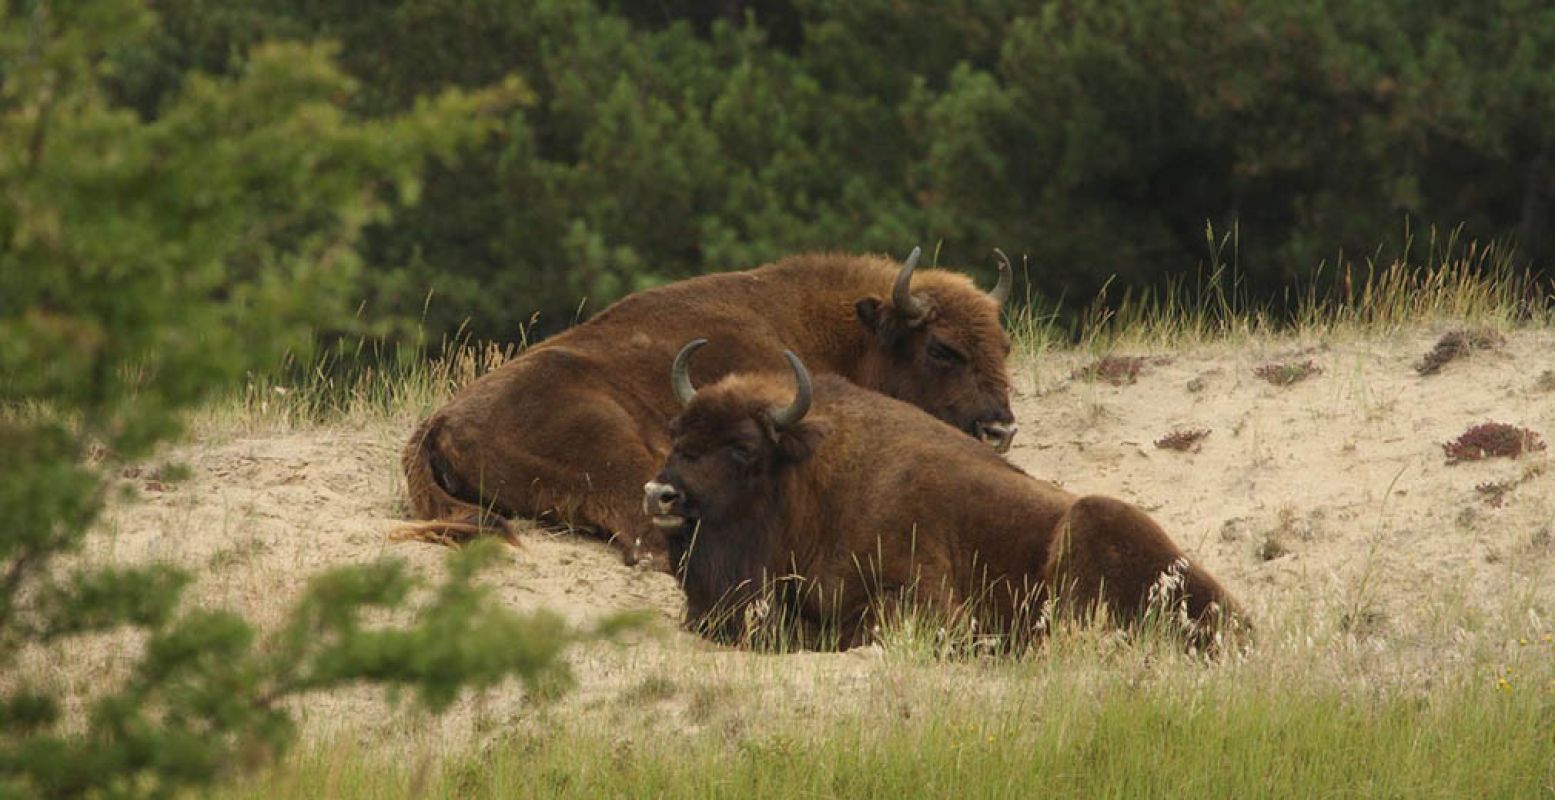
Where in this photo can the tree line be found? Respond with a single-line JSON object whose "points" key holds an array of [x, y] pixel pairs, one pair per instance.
{"points": [[661, 140]]}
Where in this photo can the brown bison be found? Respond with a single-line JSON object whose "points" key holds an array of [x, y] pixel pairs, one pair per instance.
{"points": [[568, 431], [837, 512]]}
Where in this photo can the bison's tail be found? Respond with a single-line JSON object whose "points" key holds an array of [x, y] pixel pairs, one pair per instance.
{"points": [[453, 534], [451, 520]]}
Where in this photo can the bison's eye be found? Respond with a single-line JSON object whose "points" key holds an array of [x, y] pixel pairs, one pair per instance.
{"points": [[944, 353], [742, 452]]}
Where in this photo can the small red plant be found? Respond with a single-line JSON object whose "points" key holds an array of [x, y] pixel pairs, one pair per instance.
{"points": [[1492, 439]]}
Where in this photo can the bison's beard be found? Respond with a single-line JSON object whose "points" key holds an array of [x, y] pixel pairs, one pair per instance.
{"points": [[722, 568]]}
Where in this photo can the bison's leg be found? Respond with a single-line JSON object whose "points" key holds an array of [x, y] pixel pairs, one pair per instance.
{"points": [[891, 586], [1110, 553]]}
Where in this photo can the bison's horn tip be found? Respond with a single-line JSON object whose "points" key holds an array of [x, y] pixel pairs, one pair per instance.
{"points": [[680, 371], [786, 417], [901, 290], [1001, 290]]}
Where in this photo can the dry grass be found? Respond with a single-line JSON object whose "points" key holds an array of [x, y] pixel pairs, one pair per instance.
{"points": [[1438, 279], [354, 386]]}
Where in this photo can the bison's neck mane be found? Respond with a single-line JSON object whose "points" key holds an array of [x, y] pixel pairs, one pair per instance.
{"points": [[727, 562]]}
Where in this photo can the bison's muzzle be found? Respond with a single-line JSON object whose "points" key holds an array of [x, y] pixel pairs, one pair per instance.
{"points": [[998, 434], [665, 504]]}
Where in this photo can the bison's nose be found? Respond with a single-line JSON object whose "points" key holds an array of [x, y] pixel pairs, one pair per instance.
{"points": [[998, 434], [659, 498]]}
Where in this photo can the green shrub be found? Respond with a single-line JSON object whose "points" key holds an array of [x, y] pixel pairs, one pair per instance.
{"points": [[146, 262]]}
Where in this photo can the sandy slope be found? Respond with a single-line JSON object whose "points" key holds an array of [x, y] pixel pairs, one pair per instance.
{"points": [[1343, 471]]}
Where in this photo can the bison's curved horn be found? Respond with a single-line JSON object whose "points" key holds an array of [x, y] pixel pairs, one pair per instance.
{"points": [[1001, 290], [901, 291], [786, 417], [680, 375]]}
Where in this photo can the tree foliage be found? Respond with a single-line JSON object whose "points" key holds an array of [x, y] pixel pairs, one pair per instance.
{"points": [[148, 257], [675, 138]]}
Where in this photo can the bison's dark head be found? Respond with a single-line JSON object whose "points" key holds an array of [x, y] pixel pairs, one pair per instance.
{"points": [[717, 498], [941, 348]]}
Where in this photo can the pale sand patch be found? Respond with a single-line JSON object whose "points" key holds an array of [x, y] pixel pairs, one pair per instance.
{"points": [[1376, 539]]}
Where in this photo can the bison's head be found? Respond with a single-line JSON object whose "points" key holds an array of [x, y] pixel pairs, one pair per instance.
{"points": [[941, 348], [717, 497]]}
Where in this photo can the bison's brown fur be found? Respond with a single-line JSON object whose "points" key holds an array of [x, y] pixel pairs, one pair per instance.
{"points": [[867, 500], [571, 429]]}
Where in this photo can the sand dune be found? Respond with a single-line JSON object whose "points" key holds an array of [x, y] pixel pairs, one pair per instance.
{"points": [[1332, 492]]}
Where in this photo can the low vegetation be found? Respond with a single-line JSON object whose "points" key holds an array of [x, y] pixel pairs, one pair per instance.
{"points": [[1285, 373], [1084, 715], [1116, 370], [1455, 344], [1495, 492], [1492, 440], [1182, 440]]}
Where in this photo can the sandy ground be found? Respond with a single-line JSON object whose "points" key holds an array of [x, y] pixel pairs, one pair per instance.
{"points": [[1331, 493]]}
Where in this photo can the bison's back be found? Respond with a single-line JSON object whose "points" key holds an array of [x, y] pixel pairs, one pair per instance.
{"points": [[897, 468], [780, 303], [748, 317]]}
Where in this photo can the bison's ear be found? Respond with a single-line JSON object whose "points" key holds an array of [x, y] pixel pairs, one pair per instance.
{"points": [[798, 442], [883, 321], [871, 312]]}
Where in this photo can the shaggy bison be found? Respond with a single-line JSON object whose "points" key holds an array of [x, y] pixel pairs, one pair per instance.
{"points": [[863, 501], [568, 431]]}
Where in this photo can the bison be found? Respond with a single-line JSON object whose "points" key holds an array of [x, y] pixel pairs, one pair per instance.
{"points": [[837, 512], [568, 431]]}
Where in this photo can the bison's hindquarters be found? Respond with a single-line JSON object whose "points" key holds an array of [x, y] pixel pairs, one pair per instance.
{"points": [[1109, 553], [452, 519], [548, 437]]}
